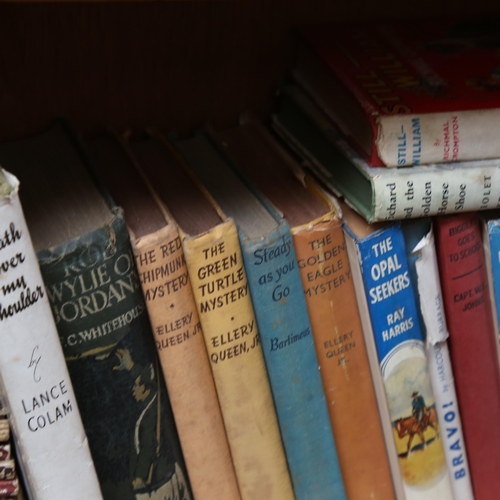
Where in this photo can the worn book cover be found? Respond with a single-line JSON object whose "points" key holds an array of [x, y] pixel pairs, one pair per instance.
{"points": [[422, 260], [380, 254], [35, 383], [281, 314], [382, 194], [89, 273], [473, 345], [408, 92], [175, 322], [322, 263], [220, 287]]}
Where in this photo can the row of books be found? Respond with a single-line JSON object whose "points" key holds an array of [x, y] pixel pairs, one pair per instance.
{"points": [[419, 95], [243, 306], [195, 285]]}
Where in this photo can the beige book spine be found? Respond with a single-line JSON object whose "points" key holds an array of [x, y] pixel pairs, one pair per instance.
{"points": [[4, 430], [186, 368], [223, 300]]}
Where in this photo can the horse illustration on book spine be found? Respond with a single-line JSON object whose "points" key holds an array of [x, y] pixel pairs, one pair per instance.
{"points": [[413, 414], [422, 417]]}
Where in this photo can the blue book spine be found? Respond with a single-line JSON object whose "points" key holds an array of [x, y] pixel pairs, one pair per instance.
{"points": [[493, 229], [403, 362], [288, 347]]}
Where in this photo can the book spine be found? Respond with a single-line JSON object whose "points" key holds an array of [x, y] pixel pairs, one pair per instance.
{"points": [[376, 374], [473, 345], [425, 277], [292, 365], [179, 340], [383, 194], [5, 451], [4, 430], [36, 386], [106, 336], [7, 469], [221, 292], [403, 363], [9, 487], [414, 139], [491, 247], [422, 192], [341, 351]]}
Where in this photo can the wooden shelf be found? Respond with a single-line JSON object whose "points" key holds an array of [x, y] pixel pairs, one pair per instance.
{"points": [[166, 64]]}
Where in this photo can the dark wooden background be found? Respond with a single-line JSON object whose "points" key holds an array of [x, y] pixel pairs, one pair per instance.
{"points": [[170, 64]]}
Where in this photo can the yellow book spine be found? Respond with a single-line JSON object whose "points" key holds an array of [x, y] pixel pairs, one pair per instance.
{"points": [[226, 313], [186, 368]]}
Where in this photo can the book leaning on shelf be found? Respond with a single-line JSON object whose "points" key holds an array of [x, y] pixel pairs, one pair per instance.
{"points": [[282, 319], [169, 298], [380, 194], [316, 228], [422, 261], [407, 92], [36, 387], [220, 288], [377, 255], [91, 280], [473, 345]]}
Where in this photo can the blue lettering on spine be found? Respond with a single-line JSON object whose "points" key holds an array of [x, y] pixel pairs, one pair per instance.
{"points": [[402, 147], [416, 141]]}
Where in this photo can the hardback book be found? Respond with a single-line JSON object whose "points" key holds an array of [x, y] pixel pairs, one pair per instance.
{"points": [[220, 287], [92, 284], [282, 319], [407, 92], [422, 260], [174, 319], [36, 386], [316, 227], [473, 345], [381, 194], [379, 253]]}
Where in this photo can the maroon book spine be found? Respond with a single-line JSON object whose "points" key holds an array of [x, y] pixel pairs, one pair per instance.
{"points": [[472, 346], [4, 451], [9, 487]]}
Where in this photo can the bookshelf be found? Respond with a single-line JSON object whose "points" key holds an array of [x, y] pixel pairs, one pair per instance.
{"points": [[169, 64]]}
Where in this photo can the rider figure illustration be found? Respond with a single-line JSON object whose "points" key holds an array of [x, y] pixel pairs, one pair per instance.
{"points": [[418, 408]]}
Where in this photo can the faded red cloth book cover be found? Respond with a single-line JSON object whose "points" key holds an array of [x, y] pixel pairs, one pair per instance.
{"points": [[472, 346], [406, 68]]}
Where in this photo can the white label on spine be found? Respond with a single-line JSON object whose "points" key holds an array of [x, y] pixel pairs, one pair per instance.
{"points": [[440, 368], [418, 139]]}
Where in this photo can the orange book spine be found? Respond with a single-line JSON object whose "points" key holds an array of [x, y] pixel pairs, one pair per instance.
{"points": [[340, 347], [184, 360]]}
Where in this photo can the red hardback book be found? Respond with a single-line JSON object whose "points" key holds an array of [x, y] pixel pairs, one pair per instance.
{"points": [[472, 346], [408, 93]]}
